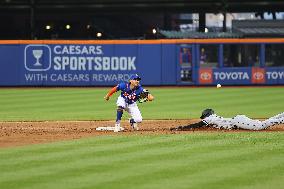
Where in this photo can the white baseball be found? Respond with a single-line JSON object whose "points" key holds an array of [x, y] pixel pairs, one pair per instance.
{"points": [[219, 85]]}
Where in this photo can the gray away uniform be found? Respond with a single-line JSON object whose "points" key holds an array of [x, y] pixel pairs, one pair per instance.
{"points": [[242, 122], [237, 122]]}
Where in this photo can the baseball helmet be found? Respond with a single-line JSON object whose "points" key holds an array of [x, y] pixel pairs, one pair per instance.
{"points": [[207, 112], [135, 77]]}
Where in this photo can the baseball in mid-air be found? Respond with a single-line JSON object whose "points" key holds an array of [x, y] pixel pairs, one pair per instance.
{"points": [[219, 85]]}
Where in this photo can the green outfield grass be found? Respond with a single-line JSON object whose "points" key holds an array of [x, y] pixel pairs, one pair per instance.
{"points": [[223, 160], [170, 103], [245, 160]]}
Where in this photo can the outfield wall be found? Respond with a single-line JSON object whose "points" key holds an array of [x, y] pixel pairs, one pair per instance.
{"points": [[105, 63]]}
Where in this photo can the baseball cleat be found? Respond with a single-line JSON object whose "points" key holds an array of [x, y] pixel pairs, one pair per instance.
{"points": [[133, 124], [117, 128]]}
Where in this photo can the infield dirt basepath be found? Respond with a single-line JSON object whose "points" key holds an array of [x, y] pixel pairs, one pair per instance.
{"points": [[24, 133]]}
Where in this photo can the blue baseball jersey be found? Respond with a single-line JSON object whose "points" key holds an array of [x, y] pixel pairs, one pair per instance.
{"points": [[130, 95]]}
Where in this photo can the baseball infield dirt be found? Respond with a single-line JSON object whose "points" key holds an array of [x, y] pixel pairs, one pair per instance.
{"points": [[24, 133]]}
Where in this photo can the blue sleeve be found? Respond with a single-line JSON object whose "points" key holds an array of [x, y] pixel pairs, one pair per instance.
{"points": [[140, 89], [121, 86]]}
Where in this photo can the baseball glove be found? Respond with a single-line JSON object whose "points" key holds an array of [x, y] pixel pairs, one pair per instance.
{"points": [[143, 97]]}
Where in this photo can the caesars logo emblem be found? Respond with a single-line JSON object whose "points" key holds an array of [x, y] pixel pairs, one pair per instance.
{"points": [[37, 57], [258, 75], [205, 76]]}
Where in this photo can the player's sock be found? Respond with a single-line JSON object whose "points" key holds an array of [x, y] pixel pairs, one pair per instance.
{"points": [[119, 114]]}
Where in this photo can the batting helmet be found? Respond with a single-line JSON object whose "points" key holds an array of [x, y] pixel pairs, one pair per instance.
{"points": [[205, 113]]}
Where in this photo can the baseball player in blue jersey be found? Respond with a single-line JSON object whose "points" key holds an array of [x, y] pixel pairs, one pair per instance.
{"points": [[131, 92]]}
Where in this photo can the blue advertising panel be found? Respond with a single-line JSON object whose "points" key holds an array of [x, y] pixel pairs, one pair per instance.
{"points": [[79, 65], [274, 75], [10, 59], [105, 64], [241, 76], [168, 64], [232, 76]]}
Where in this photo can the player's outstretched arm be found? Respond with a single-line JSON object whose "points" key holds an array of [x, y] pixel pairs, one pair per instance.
{"points": [[189, 127], [108, 95]]}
